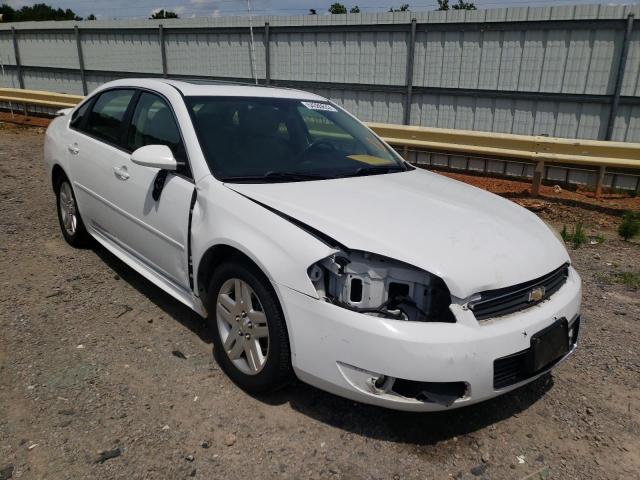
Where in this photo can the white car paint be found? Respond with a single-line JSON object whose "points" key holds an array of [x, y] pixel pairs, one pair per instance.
{"points": [[378, 214], [475, 241]]}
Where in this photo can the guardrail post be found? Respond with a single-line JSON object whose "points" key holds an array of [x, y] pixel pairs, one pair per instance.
{"points": [[622, 63], [538, 173], [80, 60], [600, 181], [163, 50], [267, 55], [409, 73]]}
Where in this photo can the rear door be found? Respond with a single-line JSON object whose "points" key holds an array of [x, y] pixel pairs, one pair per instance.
{"points": [[95, 147]]}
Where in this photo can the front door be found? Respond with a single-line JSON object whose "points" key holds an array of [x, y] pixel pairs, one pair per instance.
{"points": [[153, 216]]}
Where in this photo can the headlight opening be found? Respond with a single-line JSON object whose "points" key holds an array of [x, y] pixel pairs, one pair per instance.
{"points": [[383, 287]]}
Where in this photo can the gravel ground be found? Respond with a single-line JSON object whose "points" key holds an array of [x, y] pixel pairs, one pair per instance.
{"points": [[92, 384]]}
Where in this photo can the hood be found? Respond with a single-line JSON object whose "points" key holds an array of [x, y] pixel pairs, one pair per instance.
{"points": [[472, 239]]}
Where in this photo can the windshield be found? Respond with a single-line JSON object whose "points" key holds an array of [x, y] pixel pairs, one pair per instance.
{"points": [[278, 140]]}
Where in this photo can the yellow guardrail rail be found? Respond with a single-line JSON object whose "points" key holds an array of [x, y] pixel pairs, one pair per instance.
{"points": [[535, 149], [39, 97], [504, 145]]}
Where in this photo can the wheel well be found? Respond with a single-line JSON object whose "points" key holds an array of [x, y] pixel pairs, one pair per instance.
{"points": [[56, 175], [213, 258]]}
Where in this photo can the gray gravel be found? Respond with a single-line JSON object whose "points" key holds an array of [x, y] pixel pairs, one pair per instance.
{"points": [[91, 386]]}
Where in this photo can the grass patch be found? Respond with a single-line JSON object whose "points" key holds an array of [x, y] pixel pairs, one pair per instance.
{"points": [[577, 237], [630, 226], [630, 279]]}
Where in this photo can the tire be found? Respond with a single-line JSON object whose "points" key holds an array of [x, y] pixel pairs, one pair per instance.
{"points": [[237, 338], [71, 224]]}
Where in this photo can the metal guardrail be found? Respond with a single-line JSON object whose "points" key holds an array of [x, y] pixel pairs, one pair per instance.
{"points": [[535, 149], [39, 98], [505, 145]]}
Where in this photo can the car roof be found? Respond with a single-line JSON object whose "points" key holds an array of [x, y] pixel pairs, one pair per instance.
{"points": [[204, 87]]}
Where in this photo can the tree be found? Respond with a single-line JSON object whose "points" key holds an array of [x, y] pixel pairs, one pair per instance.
{"points": [[337, 8], [355, 9], [91, 17], [312, 11], [162, 13], [461, 5], [403, 8], [36, 12]]}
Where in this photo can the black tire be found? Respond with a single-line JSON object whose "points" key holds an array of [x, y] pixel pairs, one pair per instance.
{"points": [[79, 238], [277, 371]]}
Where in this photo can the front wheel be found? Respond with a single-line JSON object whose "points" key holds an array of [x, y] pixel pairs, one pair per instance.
{"points": [[250, 337], [69, 217]]}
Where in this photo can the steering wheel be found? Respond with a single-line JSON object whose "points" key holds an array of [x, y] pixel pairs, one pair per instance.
{"points": [[320, 145]]}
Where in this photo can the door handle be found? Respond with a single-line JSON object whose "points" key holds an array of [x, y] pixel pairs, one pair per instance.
{"points": [[121, 172], [73, 148]]}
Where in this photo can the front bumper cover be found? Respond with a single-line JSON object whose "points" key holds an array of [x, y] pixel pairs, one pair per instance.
{"points": [[338, 350]]}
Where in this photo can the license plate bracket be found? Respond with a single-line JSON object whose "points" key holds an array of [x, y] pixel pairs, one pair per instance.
{"points": [[548, 345]]}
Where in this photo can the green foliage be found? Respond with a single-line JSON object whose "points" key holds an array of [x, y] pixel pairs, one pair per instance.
{"points": [[162, 13], [630, 279], [337, 8], [355, 9], [91, 17], [630, 226], [37, 12], [464, 6], [578, 237], [403, 8], [461, 5]]}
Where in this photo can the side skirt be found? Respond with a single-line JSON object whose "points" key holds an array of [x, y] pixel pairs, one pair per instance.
{"points": [[185, 296]]}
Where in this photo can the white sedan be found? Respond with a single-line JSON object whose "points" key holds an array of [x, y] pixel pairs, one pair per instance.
{"points": [[313, 249]]}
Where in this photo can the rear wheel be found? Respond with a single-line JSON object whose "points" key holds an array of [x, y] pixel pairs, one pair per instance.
{"points": [[71, 224], [250, 337]]}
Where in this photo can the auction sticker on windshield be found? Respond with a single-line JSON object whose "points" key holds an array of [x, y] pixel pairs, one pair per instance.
{"points": [[319, 106]]}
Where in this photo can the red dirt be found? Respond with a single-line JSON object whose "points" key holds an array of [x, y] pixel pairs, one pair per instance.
{"points": [[19, 118], [521, 189]]}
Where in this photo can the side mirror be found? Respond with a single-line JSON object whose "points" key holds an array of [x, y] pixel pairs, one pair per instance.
{"points": [[155, 156]]}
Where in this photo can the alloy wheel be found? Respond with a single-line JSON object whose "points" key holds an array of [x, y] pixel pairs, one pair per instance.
{"points": [[242, 324], [68, 209]]}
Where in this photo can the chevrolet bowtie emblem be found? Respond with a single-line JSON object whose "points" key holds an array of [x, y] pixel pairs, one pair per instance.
{"points": [[536, 294]]}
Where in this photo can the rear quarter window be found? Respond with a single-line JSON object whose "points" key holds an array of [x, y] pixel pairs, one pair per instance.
{"points": [[79, 114]]}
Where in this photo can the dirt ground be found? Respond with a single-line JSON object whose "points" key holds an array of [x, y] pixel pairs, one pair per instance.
{"points": [[87, 372]]}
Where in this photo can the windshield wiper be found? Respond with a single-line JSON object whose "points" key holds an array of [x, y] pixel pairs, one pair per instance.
{"points": [[272, 176], [362, 171]]}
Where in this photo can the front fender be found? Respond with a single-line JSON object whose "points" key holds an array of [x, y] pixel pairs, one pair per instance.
{"points": [[282, 250]]}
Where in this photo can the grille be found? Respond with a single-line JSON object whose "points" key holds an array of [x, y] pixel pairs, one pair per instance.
{"points": [[513, 368], [494, 303]]}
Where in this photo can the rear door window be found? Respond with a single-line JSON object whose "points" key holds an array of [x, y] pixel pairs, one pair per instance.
{"points": [[106, 116]]}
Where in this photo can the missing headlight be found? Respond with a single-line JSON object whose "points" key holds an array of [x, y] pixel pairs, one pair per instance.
{"points": [[379, 286]]}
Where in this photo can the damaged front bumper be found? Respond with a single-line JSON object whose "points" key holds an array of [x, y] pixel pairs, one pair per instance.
{"points": [[416, 366]]}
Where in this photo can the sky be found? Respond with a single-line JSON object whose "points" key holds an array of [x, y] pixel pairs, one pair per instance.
{"points": [[110, 9]]}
